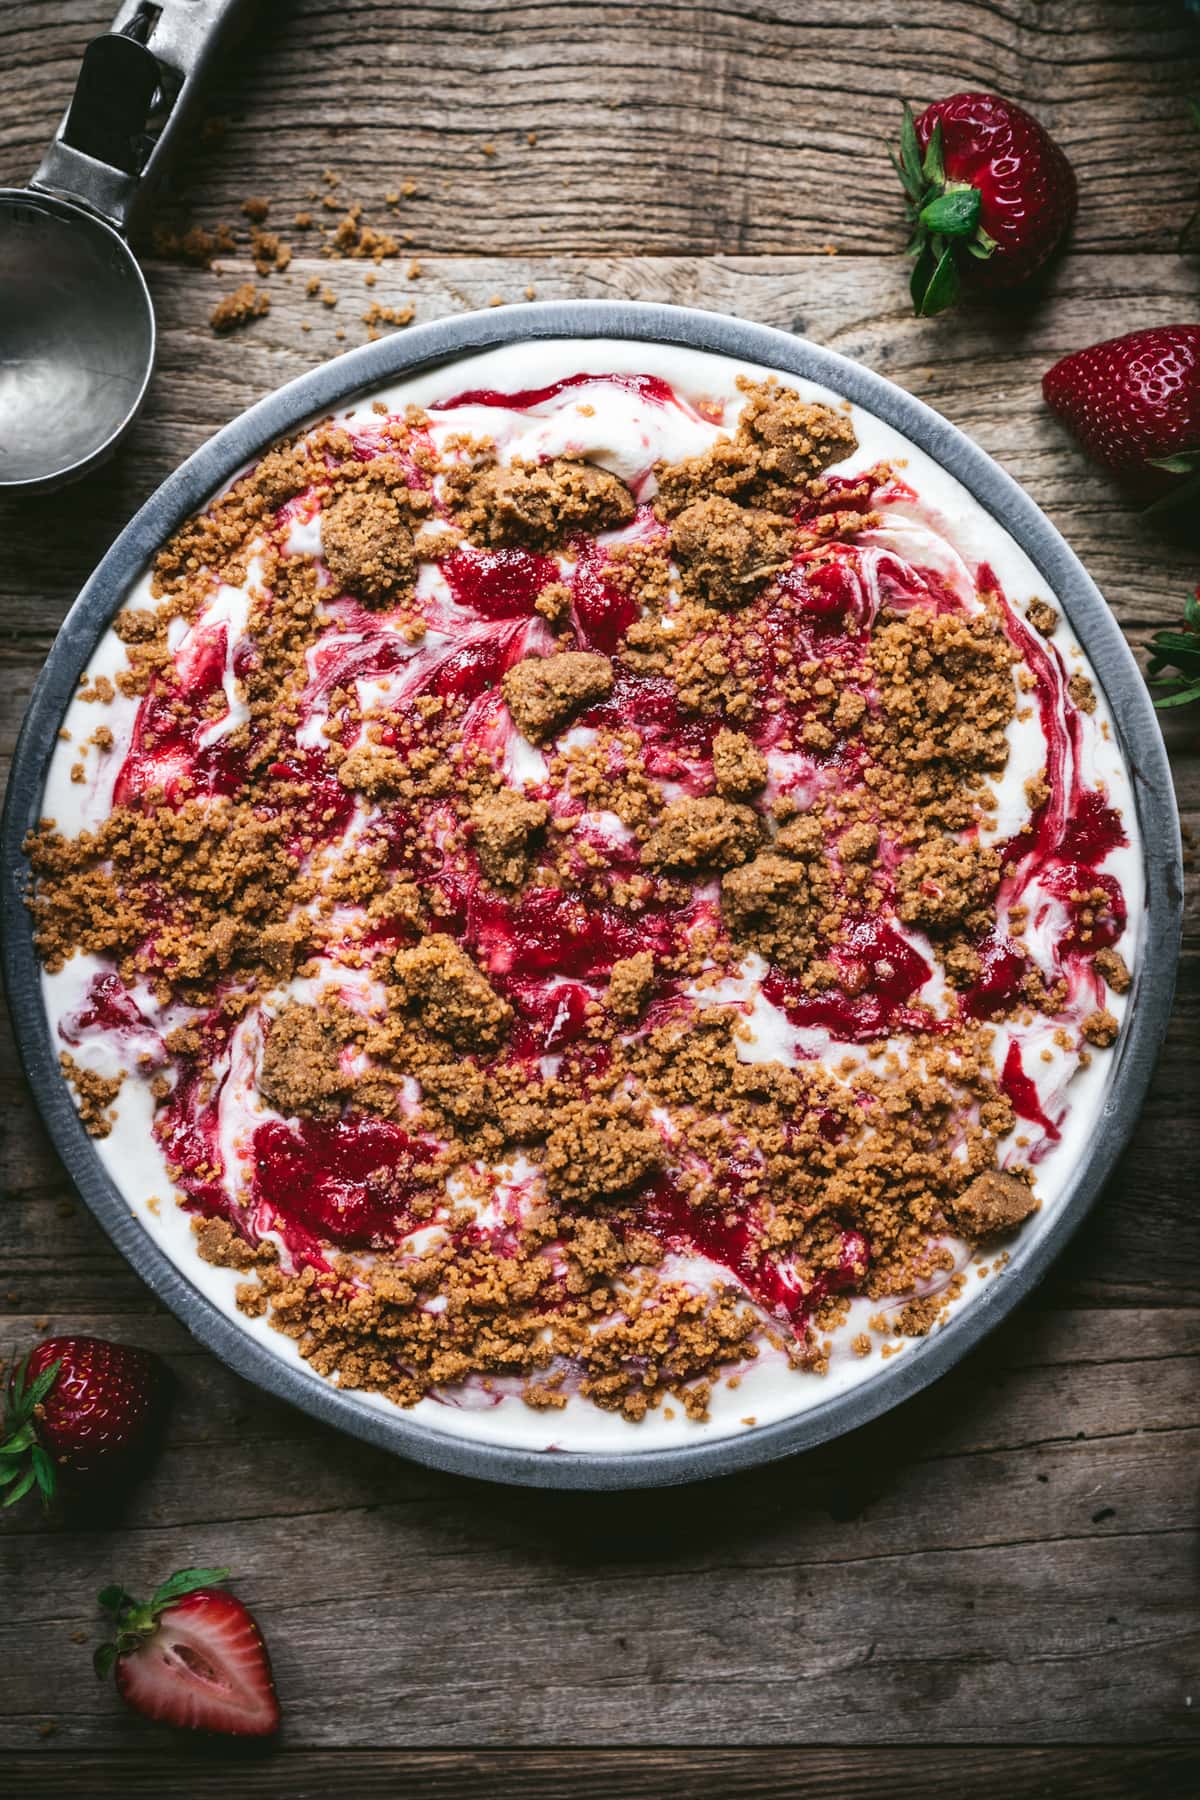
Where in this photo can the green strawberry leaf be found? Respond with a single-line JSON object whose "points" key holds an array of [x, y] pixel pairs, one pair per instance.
{"points": [[910, 153], [1179, 651], [103, 1658], [1182, 493], [18, 1410], [899, 168], [1182, 462], [1185, 697], [1186, 642], [920, 278], [43, 1473], [935, 281], [44, 1383], [934, 167], [953, 214], [185, 1581], [21, 1489]]}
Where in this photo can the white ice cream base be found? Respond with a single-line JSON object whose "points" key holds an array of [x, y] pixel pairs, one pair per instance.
{"points": [[626, 435]]}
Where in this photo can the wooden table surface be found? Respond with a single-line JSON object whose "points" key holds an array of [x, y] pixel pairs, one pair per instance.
{"points": [[994, 1588]]}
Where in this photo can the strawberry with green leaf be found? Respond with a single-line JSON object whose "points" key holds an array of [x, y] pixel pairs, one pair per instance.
{"points": [[1178, 650], [990, 196], [80, 1409], [192, 1656]]}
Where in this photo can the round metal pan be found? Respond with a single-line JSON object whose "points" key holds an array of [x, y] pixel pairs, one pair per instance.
{"points": [[332, 386]]}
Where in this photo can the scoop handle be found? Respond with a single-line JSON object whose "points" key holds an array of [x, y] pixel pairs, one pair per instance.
{"points": [[137, 86]]}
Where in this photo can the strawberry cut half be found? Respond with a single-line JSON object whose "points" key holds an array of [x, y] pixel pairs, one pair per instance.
{"points": [[192, 1657]]}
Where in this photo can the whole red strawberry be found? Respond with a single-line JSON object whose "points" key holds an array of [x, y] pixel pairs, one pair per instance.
{"points": [[192, 1657], [990, 196], [79, 1407], [1134, 404]]}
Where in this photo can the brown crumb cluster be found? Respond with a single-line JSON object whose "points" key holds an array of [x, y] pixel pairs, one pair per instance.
{"points": [[739, 768], [301, 1070], [704, 832], [776, 904], [725, 552], [599, 1149], [516, 1041], [544, 692], [330, 226], [237, 309], [539, 504], [506, 827], [991, 1204], [367, 543], [631, 984], [1100, 1028], [95, 1095], [449, 994]]}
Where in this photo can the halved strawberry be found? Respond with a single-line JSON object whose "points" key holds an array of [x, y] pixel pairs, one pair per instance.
{"points": [[192, 1657]]}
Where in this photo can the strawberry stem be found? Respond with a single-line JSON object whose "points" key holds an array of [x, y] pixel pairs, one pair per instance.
{"points": [[943, 214], [135, 1622], [954, 213]]}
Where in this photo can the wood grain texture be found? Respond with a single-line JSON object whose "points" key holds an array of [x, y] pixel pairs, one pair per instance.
{"points": [[1081, 1772], [1010, 1559], [752, 126]]}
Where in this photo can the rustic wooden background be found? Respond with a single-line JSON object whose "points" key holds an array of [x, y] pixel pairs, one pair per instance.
{"points": [[994, 1589]]}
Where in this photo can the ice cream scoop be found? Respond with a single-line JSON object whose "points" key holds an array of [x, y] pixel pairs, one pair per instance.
{"points": [[76, 320]]}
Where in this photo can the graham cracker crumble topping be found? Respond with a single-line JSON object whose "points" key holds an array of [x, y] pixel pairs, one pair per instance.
{"points": [[1110, 965], [94, 1095], [467, 870], [630, 984], [450, 995], [703, 832], [539, 504], [506, 823], [994, 1202], [724, 552], [739, 769], [543, 692], [368, 544], [301, 1070]]}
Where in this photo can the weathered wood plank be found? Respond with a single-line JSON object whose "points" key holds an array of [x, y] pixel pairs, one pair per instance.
{"points": [[1007, 1534], [1072, 1426], [757, 126], [1085, 1773], [1048, 1641]]}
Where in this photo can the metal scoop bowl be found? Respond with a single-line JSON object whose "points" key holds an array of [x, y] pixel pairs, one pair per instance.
{"points": [[77, 331]]}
